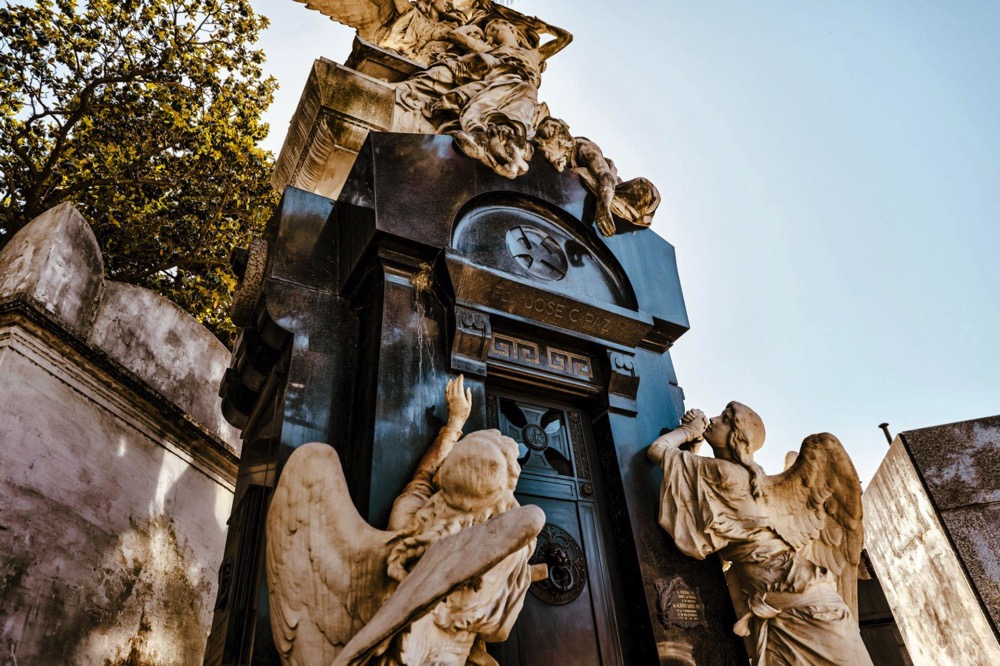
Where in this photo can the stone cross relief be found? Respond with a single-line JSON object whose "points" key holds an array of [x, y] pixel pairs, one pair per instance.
{"points": [[479, 66], [448, 575], [792, 541]]}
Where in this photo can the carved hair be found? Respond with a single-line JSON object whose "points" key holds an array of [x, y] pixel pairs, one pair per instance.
{"points": [[550, 126], [745, 438], [474, 483]]}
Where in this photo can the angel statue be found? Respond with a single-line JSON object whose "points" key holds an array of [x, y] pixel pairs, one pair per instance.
{"points": [[416, 30], [793, 540], [487, 96], [449, 575], [635, 200]]}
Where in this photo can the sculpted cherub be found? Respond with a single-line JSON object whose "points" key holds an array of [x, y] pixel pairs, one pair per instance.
{"points": [[634, 201], [449, 575], [793, 539]]}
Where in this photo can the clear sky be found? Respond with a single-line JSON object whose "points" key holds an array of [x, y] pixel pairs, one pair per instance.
{"points": [[830, 174]]}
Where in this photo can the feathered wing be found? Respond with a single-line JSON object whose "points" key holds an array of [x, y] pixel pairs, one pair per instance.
{"points": [[326, 567], [444, 567], [816, 508], [368, 17]]}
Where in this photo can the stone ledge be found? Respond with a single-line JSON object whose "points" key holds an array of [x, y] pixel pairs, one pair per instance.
{"points": [[52, 272], [191, 440]]}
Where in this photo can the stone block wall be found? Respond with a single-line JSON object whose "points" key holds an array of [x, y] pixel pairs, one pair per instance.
{"points": [[117, 467], [932, 519]]}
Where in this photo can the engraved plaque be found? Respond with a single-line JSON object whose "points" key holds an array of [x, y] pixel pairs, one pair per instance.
{"points": [[679, 604]]}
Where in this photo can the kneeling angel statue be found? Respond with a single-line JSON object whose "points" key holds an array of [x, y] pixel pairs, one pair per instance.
{"points": [[449, 574]]}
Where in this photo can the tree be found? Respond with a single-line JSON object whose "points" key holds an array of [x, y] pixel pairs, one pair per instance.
{"points": [[146, 115]]}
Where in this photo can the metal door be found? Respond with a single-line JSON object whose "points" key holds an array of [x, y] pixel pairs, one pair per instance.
{"points": [[570, 617]]}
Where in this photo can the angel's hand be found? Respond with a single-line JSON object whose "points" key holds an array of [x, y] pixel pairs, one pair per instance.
{"points": [[459, 401], [605, 223], [538, 25], [695, 423]]}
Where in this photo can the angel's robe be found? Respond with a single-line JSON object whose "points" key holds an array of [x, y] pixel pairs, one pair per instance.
{"points": [[456, 631], [793, 611]]}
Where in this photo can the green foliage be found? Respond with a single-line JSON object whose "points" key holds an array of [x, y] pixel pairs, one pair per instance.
{"points": [[146, 115]]}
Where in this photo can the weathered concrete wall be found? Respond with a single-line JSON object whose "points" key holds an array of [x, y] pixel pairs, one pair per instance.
{"points": [[118, 471], [936, 608], [960, 467]]}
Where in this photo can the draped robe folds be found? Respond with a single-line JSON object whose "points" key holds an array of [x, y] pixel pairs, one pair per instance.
{"points": [[475, 90], [794, 615], [456, 631]]}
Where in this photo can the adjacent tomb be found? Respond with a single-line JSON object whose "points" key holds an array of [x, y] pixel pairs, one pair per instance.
{"points": [[932, 511]]}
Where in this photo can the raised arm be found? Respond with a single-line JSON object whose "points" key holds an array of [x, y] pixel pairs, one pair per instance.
{"points": [[693, 425], [459, 401], [421, 487], [562, 39], [590, 156]]}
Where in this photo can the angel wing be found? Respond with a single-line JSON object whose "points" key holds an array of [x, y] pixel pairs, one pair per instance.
{"points": [[816, 508], [369, 17], [446, 566], [326, 566]]}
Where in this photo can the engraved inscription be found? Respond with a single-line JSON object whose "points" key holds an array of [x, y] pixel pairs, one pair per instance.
{"points": [[679, 604], [570, 316], [535, 437]]}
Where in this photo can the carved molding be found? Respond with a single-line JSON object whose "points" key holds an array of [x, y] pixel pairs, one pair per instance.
{"points": [[541, 357], [471, 342], [579, 447], [623, 382]]}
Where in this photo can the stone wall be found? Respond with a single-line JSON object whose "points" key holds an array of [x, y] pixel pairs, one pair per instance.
{"points": [[931, 529], [118, 469]]}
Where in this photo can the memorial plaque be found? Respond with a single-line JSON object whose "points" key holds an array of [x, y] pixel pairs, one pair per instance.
{"points": [[679, 604]]}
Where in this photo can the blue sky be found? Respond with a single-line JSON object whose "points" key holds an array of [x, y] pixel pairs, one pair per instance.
{"points": [[830, 174]]}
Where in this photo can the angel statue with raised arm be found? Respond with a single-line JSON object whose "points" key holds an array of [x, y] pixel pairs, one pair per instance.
{"points": [[449, 575], [793, 539]]}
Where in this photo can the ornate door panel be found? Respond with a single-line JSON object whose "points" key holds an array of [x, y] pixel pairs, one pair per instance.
{"points": [[568, 618]]}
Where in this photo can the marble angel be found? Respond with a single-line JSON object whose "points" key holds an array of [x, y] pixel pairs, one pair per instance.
{"points": [[486, 96], [416, 30], [793, 539], [449, 574]]}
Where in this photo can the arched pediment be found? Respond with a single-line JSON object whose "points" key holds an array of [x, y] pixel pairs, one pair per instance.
{"points": [[535, 242]]}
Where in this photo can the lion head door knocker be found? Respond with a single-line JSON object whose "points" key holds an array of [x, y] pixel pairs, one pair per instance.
{"points": [[567, 568]]}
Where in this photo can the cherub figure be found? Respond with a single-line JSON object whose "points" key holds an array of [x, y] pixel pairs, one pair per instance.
{"points": [[634, 201], [449, 575], [794, 539]]}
